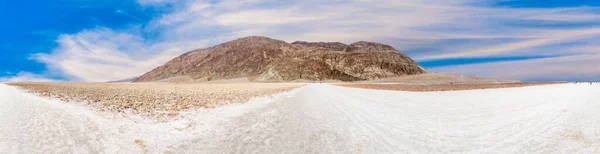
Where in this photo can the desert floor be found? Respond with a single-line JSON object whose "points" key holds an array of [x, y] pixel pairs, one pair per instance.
{"points": [[155, 99], [441, 87], [320, 118]]}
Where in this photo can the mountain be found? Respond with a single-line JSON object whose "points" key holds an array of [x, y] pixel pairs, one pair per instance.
{"points": [[265, 59], [128, 80]]}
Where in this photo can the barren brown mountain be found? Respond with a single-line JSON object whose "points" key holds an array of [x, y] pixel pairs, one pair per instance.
{"points": [[266, 59]]}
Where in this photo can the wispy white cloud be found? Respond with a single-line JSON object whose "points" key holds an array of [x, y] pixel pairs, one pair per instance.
{"points": [[578, 67], [104, 54], [576, 62], [382, 20], [552, 37], [26, 77]]}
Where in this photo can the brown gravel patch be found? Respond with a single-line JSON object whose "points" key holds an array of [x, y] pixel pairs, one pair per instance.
{"points": [[155, 99], [441, 87], [142, 145]]}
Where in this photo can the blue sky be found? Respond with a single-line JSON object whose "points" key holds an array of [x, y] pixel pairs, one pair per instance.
{"points": [[90, 40], [31, 29]]}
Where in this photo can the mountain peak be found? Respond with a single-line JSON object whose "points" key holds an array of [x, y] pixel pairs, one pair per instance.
{"points": [[330, 45], [255, 38], [364, 46], [254, 41]]}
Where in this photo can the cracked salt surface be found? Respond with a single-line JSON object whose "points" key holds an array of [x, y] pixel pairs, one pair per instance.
{"points": [[320, 118]]}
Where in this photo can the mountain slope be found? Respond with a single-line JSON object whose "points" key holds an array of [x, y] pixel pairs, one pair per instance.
{"points": [[128, 80], [266, 59]]}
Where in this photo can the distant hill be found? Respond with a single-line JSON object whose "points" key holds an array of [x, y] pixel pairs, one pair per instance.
{"points": [[265, 59], [128, 80], [440, 78]]}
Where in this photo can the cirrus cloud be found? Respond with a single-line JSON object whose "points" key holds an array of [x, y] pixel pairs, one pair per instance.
{"points": [[424, 29]]}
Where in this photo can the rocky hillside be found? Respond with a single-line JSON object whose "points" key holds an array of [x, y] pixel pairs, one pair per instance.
{"points": [[266, 59]]}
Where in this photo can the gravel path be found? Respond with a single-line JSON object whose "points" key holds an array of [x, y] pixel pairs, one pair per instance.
{"points": [[321, 118]]}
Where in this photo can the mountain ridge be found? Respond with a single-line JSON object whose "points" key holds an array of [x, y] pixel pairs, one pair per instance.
{"points": [[266, 59]]}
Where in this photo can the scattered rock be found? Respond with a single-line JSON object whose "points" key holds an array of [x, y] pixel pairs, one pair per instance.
{"points": [[142, 145], [155, 99]]}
